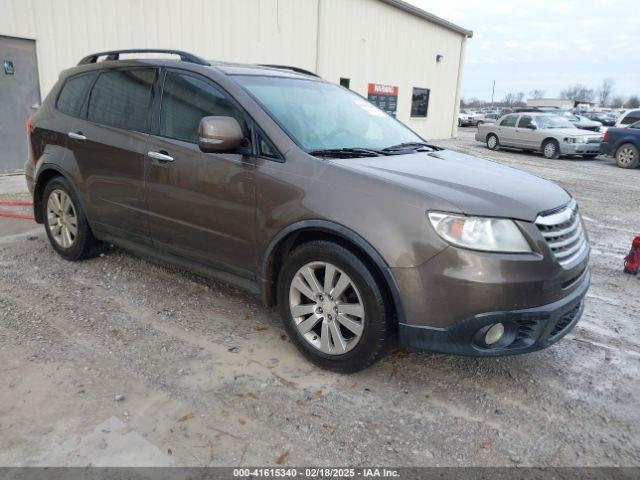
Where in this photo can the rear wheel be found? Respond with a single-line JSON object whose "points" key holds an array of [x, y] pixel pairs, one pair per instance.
{"points": [[627, 156], [492, 142], [551, 149], [65, 222], [333, 307]]}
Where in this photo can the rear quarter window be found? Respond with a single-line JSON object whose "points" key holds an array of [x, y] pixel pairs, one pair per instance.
{"points": [[121, 98], [509, 121], [71, 99], [631, 117]]}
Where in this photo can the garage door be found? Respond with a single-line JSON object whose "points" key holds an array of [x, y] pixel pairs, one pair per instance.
{"points": [[19, 97]]}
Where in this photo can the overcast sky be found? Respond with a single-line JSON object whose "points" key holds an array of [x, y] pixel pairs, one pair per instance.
{"points": [[545, 44]]}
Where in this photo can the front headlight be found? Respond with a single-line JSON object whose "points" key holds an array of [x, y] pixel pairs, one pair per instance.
{"points": [[576, 140], [480, 233]]}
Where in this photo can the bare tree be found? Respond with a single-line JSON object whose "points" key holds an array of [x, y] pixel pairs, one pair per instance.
{"points": [[617, 101], [537, 94], [520, 98], [605, 90], [632, 102], [578, 92]]}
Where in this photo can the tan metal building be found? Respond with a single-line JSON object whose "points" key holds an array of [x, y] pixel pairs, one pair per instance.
{"points": [[381, 48]]}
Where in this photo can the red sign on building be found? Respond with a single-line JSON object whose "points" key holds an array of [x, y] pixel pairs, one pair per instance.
{"points": [[385, 97]]}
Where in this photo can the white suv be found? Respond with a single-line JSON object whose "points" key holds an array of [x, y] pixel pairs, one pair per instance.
{"points": [[628, 117]]}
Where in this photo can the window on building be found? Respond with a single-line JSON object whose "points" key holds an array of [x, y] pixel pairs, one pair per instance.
{"points": [[509, 121], [345, 82], [186, 99], [121, 98], [419, 102], [73, 94]]}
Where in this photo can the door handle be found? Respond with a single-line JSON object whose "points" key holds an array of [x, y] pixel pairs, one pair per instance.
{"points": [[77, 135], [161, 156]]}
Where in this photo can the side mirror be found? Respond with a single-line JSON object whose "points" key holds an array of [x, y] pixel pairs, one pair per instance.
{"points": [[219, 134]]}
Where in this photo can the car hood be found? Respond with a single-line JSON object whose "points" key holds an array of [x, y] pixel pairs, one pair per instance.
{"points": [[474, 186], [587, 123]]}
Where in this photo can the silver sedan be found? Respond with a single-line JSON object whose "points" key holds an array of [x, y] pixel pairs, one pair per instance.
{"points": [[550, 134]]}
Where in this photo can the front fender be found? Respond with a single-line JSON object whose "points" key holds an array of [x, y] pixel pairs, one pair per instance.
{"points": [[346, 234]]}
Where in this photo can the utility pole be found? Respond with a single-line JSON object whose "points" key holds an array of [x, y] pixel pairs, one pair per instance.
{"points": [[493, 91]]}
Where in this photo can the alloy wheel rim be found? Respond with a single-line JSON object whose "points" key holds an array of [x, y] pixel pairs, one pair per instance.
{"points": [[549, 149], [327, 308], [492, 142], [62, 219], [625, 157]]}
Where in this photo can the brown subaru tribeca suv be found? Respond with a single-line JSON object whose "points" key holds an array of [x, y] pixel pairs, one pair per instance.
{"points": [[301, 191]]}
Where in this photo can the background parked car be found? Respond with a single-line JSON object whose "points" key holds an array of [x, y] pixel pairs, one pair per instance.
{"points": [[606, 119], [628, 117], [489, 117], [553, 135], [623, 143], [468, 118], [583, 123]]}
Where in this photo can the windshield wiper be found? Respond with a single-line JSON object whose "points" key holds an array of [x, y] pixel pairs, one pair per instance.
{"points": [[412, 146], [346, 152]]}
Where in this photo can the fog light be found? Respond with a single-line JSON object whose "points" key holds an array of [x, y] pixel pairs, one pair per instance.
{"points": [[494, 334]]}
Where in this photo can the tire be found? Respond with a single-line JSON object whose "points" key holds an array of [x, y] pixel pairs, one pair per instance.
{"points": [[61, 208], [551, 149], [493, 143], [627, 156], [313, 332], [590, 156]]}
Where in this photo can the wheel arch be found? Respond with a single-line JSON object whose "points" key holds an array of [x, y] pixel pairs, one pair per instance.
{"points": [[45, 175], [547, 139], [309, 230], [626, 140]]}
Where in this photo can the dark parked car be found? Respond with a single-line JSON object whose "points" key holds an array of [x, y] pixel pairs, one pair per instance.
{"points": [[623, 144], [605, 119], [305, 193]]}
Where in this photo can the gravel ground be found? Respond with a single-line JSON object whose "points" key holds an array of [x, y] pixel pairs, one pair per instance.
{"points": [[119, 361]]}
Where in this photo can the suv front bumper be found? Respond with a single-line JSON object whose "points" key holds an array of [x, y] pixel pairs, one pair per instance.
{"points": [[527, 330]]}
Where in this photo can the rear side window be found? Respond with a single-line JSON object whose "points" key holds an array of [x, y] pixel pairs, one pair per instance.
{"points": [[631, 117], [525, 121], [73, 94], [509, 121], [186, 99], [121, 98]]}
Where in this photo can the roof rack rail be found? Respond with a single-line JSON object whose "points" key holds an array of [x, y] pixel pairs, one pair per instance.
{"points": [[115, 55], [293, 69]]}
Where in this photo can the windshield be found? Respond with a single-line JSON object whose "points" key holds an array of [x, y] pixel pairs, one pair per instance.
{"points": [[321, 116], [553, 121]]}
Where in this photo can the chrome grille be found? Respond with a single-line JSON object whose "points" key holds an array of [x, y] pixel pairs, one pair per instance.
{"points": [[594, 140], [564, 233]]}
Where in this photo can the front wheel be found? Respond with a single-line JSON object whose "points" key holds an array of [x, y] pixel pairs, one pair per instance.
{"points": [[551, 149], [333, 307], [627, 156]]}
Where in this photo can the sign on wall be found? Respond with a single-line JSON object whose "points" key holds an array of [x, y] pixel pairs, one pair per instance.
{"points": [[385, 97]]}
